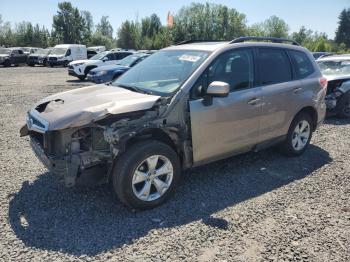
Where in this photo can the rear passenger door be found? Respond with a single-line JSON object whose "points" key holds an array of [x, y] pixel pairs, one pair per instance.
{"points": [[280, 91]]}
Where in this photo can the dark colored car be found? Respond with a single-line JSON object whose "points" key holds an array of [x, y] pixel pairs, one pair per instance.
{"points": [[108, 73], [39, 57], [12, 56]]}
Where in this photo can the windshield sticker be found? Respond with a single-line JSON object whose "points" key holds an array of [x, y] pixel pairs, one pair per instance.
{"points": [[189, 58]]}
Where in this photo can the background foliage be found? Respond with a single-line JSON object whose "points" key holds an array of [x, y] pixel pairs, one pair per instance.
{"points": [[195, 21]]}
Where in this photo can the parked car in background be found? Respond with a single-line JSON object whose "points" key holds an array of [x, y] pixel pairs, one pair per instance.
{"points": [[103, 74], [64, 54], [81, 68], [336, 69], [12, 56], [184, 106], [39, 57], [94, 50], [30, 50], [318, 55]]}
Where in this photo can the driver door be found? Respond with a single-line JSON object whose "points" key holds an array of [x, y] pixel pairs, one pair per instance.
{"points": [[230, 124]]}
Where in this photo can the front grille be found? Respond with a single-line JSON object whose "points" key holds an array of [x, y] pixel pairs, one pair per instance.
{"points": [[70, 67], [334, 84], [53, 59]]}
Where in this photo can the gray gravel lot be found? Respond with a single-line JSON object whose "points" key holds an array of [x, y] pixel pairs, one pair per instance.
{"points": [[256, 207]]}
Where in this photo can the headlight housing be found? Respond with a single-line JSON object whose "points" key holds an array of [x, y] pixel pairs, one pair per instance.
{"points": [[78, 64], [102, 73]]}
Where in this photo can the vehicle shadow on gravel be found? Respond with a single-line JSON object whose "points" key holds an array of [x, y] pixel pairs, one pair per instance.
{"points": [[337, 121], [82, 221]]}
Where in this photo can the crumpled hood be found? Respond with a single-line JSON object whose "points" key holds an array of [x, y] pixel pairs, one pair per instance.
{"points": [[82, 106], [336, 77]]}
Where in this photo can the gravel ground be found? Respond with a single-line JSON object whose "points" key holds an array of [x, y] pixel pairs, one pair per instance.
{"points": [[255, 207]]}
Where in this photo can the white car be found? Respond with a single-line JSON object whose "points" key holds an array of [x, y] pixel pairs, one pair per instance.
{"points": [[81, 68]]}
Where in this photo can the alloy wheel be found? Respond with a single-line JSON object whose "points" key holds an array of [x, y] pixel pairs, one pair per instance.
{"points": [[301, 135], [152, 178]]}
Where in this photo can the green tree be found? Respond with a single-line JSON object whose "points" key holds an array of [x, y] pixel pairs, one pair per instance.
{"points": [[129, 35], [67, 24], [342, 34], [271, 27], [87, 26], [208, 22], [104, 27]]}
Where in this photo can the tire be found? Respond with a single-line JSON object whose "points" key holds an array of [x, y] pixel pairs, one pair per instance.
{"points": [[51, 65], [31, 64], [45, 62], [135, 158], [7, 63], [343, 106], [292, 146], [81, 78]]}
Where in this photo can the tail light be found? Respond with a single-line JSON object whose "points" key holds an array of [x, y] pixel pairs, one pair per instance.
{"points": [[323, 82]]}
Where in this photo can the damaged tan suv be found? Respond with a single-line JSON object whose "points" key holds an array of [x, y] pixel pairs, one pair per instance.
{"points": [[184, 106]]}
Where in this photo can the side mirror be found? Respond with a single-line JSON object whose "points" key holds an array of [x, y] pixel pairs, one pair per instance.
{"points": [[105, 59], [216, 89]]}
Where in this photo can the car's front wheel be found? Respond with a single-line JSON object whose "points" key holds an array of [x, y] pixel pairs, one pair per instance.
{"points": [[299, 135], [7, 63], [146, 174]]}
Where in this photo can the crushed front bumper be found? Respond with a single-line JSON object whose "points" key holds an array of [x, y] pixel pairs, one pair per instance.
{"points": [[64, 167]]}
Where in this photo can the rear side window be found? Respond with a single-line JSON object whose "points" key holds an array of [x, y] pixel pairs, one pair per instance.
{"points": [[273, 66], [301, 63], [121, 55]]}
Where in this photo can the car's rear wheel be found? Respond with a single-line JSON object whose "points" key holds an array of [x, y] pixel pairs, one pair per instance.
{"points": [[81, 78], [299, 135], [146, 175], [343, 106], [44, 62]]}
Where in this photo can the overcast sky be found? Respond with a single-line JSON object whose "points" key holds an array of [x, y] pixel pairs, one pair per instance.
{"points": [[318, 15]]}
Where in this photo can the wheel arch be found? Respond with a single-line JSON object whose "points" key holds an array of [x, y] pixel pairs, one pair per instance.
{"points": [[311, 111], [88, 68]]}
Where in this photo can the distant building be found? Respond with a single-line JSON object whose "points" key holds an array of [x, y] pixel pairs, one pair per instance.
{"points": [[170, 20]]}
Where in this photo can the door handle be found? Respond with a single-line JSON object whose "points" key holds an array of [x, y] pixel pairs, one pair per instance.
{"points": [[253, 102], [297, 90]]}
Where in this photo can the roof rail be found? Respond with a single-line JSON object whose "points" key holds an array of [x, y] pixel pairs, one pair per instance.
{"points": [[197, 41], [268, 39]]}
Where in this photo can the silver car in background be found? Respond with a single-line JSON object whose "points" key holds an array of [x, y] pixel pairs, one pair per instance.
{"points": [[184, 106]]}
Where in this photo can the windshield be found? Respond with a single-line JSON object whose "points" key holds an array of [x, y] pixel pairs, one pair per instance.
{"points": [[335, 68], [99, 56], [25, 49], [4, 51], [42, 52], [127, 61], [163, 72], [59, 51]]}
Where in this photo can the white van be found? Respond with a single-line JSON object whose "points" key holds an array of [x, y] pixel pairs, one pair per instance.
{"points": [[64, 54]]}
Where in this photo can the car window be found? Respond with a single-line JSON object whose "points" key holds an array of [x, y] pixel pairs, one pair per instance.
{"points": [[273, 66], [69, 52], [301, 63], [15, 52], [233, 67], [20, 52], [110, 56], [121, 55]]}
